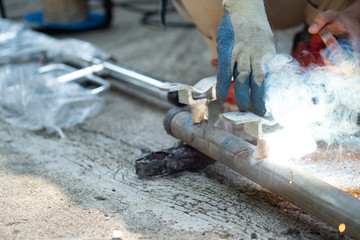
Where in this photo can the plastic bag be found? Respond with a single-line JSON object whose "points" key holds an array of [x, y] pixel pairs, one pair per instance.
{"points": [[19, 44], [70, 47], [34, 101]]}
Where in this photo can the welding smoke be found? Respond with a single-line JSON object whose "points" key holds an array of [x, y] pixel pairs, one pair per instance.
{"points": [[313, 104]]}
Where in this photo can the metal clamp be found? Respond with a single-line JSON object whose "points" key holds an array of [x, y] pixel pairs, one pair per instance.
{"points": [[257, 127], [254, 125], [197, 97]]}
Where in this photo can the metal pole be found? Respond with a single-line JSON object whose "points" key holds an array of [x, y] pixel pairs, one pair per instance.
{"points": [[127, 79], [124, 74], [309, 193]]}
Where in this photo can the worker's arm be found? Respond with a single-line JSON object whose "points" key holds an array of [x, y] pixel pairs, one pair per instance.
{"points": [[345, 23], [244, 36]]}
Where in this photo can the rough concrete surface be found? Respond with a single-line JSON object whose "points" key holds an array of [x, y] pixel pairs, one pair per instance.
{"points": [[85, 186]]}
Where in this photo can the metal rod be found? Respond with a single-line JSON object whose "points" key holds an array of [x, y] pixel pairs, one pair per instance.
{"points": [[141, 94], [123, 75], [81, 73], [132, 74], [309, 193], [147, 84]]}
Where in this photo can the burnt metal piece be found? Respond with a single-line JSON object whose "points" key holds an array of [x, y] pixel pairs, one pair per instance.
{"points": [[171, 160]]}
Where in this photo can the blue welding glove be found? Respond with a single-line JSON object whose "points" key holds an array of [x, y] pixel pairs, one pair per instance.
{"points": [[244, 36]]}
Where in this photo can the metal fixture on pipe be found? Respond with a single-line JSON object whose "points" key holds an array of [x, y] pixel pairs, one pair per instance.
{"points": [[257, 127], [197, 97], [309, 193]]}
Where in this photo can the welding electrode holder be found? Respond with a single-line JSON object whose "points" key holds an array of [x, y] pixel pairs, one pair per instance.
{"points": [[126, 78]]}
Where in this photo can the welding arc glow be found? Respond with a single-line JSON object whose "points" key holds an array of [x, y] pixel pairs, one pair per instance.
{"points": [[342, 227], [314, 104]]}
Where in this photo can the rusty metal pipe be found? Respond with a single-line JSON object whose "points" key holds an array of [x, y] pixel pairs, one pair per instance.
{"points": [[309, 193]]}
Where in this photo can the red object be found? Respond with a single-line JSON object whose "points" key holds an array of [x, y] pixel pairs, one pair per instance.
{"points": [[214, 63], [230, 98], [308, 52]]}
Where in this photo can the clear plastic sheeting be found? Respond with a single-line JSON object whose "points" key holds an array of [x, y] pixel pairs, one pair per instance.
{"points": [[34, 101], [18, 44]]}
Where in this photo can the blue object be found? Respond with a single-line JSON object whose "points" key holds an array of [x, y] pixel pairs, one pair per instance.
{"points": [[35, 19], [225, 45], [225, 71]]}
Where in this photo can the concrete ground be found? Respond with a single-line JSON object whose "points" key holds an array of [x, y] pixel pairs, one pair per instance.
{"points": [[85, 186]]}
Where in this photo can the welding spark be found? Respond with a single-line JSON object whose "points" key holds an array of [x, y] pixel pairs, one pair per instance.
{"points": [[342, 227], [314, 104]]}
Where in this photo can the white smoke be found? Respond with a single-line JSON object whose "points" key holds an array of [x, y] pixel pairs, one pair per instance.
{"points": [[313, 104]]}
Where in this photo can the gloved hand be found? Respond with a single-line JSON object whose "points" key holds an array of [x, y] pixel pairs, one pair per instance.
{"points": [[244, 36]]}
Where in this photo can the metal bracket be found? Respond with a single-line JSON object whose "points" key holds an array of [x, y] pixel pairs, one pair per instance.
{"points": [[254, 125], [197, 97]]}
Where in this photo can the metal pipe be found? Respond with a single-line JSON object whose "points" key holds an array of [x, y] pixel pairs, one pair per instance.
{"points": [[309, 193], [147, 84]]}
